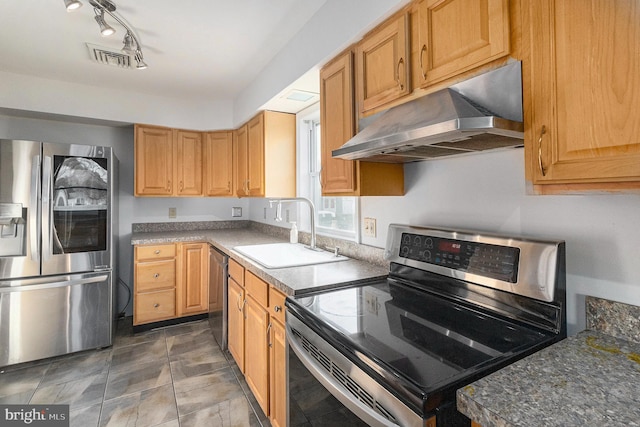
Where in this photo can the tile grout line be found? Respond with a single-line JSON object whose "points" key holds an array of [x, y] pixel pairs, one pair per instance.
{"points": [[173, 386]]}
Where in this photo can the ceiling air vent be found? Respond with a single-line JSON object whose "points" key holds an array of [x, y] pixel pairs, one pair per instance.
{"points": [[108, 56]]}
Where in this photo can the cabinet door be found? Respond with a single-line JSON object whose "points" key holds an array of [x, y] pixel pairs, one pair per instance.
{"points": [[153, 161], [337, 118], [256, 347], [458, 35], [189, 163], [255, 156], [235, 311], [585, 91], [383, 64], [278, 375], [218, 165], [193, 297], [241, 158]]}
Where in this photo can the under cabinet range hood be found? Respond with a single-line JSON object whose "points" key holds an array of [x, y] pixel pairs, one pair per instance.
{"points": [[482, 113]]}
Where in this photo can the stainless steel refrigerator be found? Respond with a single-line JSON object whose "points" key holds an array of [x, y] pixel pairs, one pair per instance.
{"points": [[58, 215]]}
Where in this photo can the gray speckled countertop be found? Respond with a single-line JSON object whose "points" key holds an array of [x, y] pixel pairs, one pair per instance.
{"points": [[295, 280], [591, 379]]}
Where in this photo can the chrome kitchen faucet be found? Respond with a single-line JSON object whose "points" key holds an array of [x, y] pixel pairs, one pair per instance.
{"points": [[312, 211]]}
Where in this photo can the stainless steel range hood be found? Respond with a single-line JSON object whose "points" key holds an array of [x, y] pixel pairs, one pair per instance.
{"points": [[482, 113]]}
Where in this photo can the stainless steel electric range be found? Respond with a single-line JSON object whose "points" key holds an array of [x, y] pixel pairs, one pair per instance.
{"points": [[456, 306]]}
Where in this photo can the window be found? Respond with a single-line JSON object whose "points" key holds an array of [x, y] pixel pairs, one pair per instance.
{"points": [[335, 216]]}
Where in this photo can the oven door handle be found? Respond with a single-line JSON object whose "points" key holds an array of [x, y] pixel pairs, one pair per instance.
{"points": [[336, 389]]}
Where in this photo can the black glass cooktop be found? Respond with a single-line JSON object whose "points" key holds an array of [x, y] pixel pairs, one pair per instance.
{"points": [[427, 339]]}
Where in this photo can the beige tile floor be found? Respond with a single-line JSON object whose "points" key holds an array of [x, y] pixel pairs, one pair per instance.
{"points": [[169, 377]]}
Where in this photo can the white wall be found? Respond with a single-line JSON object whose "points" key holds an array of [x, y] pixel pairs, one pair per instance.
{"points": [[487, 192], [33, 94]]}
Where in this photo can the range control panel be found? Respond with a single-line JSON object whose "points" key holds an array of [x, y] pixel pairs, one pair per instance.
{"points": [[494, 261]]}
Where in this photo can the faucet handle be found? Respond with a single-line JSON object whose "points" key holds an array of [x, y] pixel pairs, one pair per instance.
{"points": [[336, 251]]}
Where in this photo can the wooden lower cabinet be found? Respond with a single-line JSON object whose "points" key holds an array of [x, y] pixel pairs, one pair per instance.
{"points": [[193, 297], [257, 340], [278, 370], [170, 281], [256, 370], [235, 310]]}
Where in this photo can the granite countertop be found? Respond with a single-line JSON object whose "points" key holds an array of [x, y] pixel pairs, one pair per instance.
{"points": [[291, 281], [591, 379]]}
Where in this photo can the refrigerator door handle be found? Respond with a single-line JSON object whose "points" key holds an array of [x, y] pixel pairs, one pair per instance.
{"points": [[58, 284], [33, 209], [46, 207]]}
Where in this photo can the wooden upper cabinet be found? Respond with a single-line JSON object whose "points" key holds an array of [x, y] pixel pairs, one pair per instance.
{"points": [[584, 94], [240, 160], [383, 67], [189, 163], [218, 164], [168, 162], [337, 119], [154, 161], [457, 35], [265, 156], [255, 156]]}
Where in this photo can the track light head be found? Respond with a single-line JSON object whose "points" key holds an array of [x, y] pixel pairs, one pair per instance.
{"points": [[105, 29], [130, 46], [141, 65], [72, 5]]}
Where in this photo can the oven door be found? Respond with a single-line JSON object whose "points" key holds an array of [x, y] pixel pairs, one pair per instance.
{"points": [[336, 389]]}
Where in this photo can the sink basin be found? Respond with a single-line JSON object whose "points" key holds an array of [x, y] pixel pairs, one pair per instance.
{"points": [[281, 255]]}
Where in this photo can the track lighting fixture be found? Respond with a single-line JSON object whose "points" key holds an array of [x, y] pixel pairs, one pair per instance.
{"points": [[131, 44]]}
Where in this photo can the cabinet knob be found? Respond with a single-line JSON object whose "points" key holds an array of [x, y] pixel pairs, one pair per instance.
{"points": [[277, 308], [157, 251], [155, 276], [156, 305]]}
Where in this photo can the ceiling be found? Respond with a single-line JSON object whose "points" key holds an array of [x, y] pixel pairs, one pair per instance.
{"points": [[196, 49]]}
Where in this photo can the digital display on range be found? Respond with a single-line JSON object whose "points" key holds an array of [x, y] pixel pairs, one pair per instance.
{"points": [[493, 261]]}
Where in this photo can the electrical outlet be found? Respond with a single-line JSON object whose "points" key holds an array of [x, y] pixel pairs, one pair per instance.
{"points": [[236, 212], [173, 212], [370, 227]]}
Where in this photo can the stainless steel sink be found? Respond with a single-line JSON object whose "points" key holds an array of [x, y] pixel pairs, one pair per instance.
{"points": [[282, 255]]}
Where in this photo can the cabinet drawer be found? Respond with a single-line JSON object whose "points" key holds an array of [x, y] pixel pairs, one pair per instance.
{"points": [[236, 272], [276, 304], [155, 252], [155, 306], [155, 275], [257, 288]]}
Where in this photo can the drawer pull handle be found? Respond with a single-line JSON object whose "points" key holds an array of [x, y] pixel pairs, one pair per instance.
{"points": [[277, 308], [156, 305], [156, 275], [398, 80], [157, 251], [269, 335]]}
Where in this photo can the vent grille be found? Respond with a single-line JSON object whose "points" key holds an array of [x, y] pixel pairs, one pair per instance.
{"points": [[348, 383], [107, 56]]}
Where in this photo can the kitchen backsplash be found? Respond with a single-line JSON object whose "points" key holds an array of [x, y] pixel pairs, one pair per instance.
{"points": [[155, 227], [614, 318]]}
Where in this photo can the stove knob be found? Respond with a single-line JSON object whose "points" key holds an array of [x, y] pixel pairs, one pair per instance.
{"points": [[404, 251], [428, 243], [427, 255]]}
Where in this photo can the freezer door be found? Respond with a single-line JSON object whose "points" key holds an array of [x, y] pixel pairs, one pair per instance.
{"points": [[52, 316], [77, 201], [19, 209]]}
